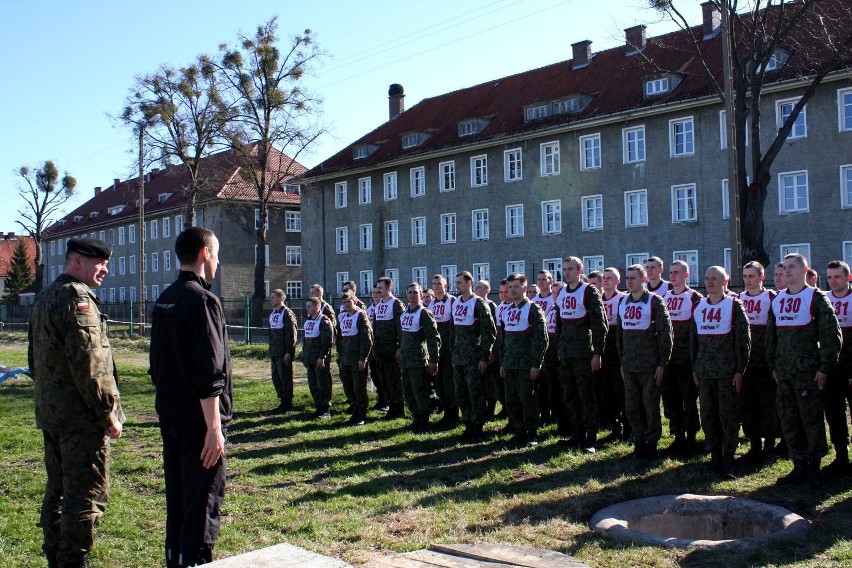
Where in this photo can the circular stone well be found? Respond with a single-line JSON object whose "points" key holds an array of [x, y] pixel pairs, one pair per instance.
{"points": [[683, 521]]}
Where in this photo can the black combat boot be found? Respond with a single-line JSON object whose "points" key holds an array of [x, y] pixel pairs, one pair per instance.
{"points": [[840, 464], [576, 440], [726, 469], [754, 455], [797, 475], [395, 410], [591, 441], [813, 478], [450, 419], [715, 465], [532, 437]]}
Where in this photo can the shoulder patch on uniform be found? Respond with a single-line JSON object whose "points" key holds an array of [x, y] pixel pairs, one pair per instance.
{"points": [[82, 304]]}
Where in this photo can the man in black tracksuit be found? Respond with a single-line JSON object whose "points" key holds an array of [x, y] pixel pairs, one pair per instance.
{"points": [[191, 370]]}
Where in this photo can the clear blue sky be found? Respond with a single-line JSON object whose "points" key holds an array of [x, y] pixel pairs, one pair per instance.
{"points": [[67, 66]]}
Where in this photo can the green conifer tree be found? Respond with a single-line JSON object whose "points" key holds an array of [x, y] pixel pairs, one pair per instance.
{"points": [[20, 275]]}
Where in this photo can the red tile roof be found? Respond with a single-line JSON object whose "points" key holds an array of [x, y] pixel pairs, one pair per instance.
{"points": [[613, 79], [7, 251]]}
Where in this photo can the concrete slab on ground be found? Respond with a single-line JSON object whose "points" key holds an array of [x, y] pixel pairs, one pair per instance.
{"points": [[280, 556], [476, 556]]}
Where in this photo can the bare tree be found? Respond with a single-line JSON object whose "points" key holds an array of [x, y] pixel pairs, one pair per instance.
{"points": [[44, 193], [803, 39], [274, 119]]}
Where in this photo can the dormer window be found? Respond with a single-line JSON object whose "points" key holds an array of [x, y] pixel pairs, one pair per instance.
{"points": [[566, 106], [63, 221], [94, 214], [413, 139], [775, 62], [660, 84], [569, 105], [472, 126], [163, 197], [78, 218], [537, 112], [363, 151], [137, 202], [115, 210], [291, 188]]}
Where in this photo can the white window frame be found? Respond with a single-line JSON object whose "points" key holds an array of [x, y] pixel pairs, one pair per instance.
{"points": [[341, 240], [256, 219], [112, 295], [479, 225], [690, 257], [121, 235], [593, 262], [723, 130], [419, 275], [418, 231], [800, 127], [481, 271], [365, 191], [131, 234], [417, 178], [391, 234], [514, 220], [167, 260], [265, 255], [52, 249], [782, 208], [479, 170], [518, 266], [687, 134], [726, 199], [133, 297], [592, 203], [551, 217], [366, 279], [687, 194], [393, 274], [447, 176], [513, 165], [590, 152], [178, 224], [639, 142], [340, 195], [635, 258], [292, 222], [293, 255], [342, 278], [122, 266], [294, 289], [448, 229], [155, 292], [657, 86], [449, 271], [643, 205], [726, 259], [846, 186], [844, 112], [846, 252], [131, 264], [167, 228], [390, 186], [549, 152], [554, 265], [155, 233], [155, 262], [365, 237], [803, 249]]}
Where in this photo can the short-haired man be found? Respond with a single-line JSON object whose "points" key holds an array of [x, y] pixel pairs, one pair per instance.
{"points": [[77, 405], [778, 277], [838, 385], [316, 291], [474, 334], [494, 391], [644, 347], [803, 345], [609, 377], [595, 278], [654, 269], [494, 361], [381, 398], [351, 286], [812, 278], [757, 396], [524, 344], [283, 333], [316, 355], [581, 329], [191, 371], [442, 308], [355, 342], [720, 343], [419, 343], [549, 388], [532, 291], [386, 344], [680, 392]]}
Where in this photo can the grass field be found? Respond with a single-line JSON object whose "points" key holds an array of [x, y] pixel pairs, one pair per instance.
{"points": [[352, 491]]}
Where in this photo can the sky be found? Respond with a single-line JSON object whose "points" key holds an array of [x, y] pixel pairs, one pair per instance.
{"points": [[70, 65]]}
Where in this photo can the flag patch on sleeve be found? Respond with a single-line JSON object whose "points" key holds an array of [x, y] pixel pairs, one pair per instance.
{"points": [[82, 304]]}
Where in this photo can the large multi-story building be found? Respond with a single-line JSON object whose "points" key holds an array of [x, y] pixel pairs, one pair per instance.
{"points": [[602, 156], [227, 205]]}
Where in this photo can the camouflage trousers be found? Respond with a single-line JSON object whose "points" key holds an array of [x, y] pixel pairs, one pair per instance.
{"points": [[550, 398], [389, 376], [470, 392], [680, 401], [493, 386], [373, 366], [416, 388], [800, 409], [838, 396], [578, 391], [354, 382], [719, 414], [76, 492], [445, 386], [522, 400], [642, 406], [609, 387], [319, 383], [758, 411], [282, 379]]}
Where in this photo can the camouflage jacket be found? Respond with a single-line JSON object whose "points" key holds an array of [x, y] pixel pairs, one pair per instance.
{"points": [[419, 348], [586, 336], [76, 387], [385, 335], [844, 364], [353, 348], [472, 344], [793, 351], [445, 328], [525, 349], [681, 330], [315, 348], [757, 353], [724, 355], [328, 311], [282, 340], [644, 351]]}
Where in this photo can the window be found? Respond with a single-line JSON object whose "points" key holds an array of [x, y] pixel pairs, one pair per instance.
{"points": [[844, 110], [154, 229], [447, 173], [340, 194], [682, 137], [479, 223], [366, 279], [783, 109], [592, 207], [635, 258], [636, 208], [554, 265], [144, 263], [515, 266], [418, 231], [360, 152], [514, 220], [365, 237], [418, 182], [121, 266], [726, 259], [167, 260], [567, 105], [167, 227], [418, 274], [155, 262], [793, 192], [342, 278], [112, 233], [410, 141], [449, 272], [393, 274], [52, 249], [390, 186], [120, 236], [684, 203], [847, 252], [846, 186], [595, 262], [293, 256], [481, 271], [341, 239], [656, 86], [131, 261], [52, 273], [478, 171], [550, 159], [468, 128], [633, 141], [551, 217], [122, 294], [690, 257], [803, 249], [293, 221], [133, 294], [537, 112], [391, 234], [294, 289], [101, 236], [726, 200], [512, 165], [448, 229], [266, 288], [112, 295], [178, 224], [365, 191], [723, 130], [590, 152]]}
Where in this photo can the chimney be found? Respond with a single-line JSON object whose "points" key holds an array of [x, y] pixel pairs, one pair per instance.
{"points": [[635, 38], [582, 53], [97, 191], [10, 235], [396, 101], [712, 17], [1, 234], [115, 182]]}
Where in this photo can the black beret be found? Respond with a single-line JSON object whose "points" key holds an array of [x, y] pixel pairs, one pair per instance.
{"points": [[86, 246]]}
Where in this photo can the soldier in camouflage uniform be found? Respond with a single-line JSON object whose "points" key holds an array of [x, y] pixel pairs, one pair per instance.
{"points": [[354, 344], [644, 343], [524, 333], [77, 404], [472, 342], [612, 384], [282, 349], [719, 347], [316, 355], [385, 345], [419, 345], [442, 308], [494, 390], [802, 344], [838, 386]]}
